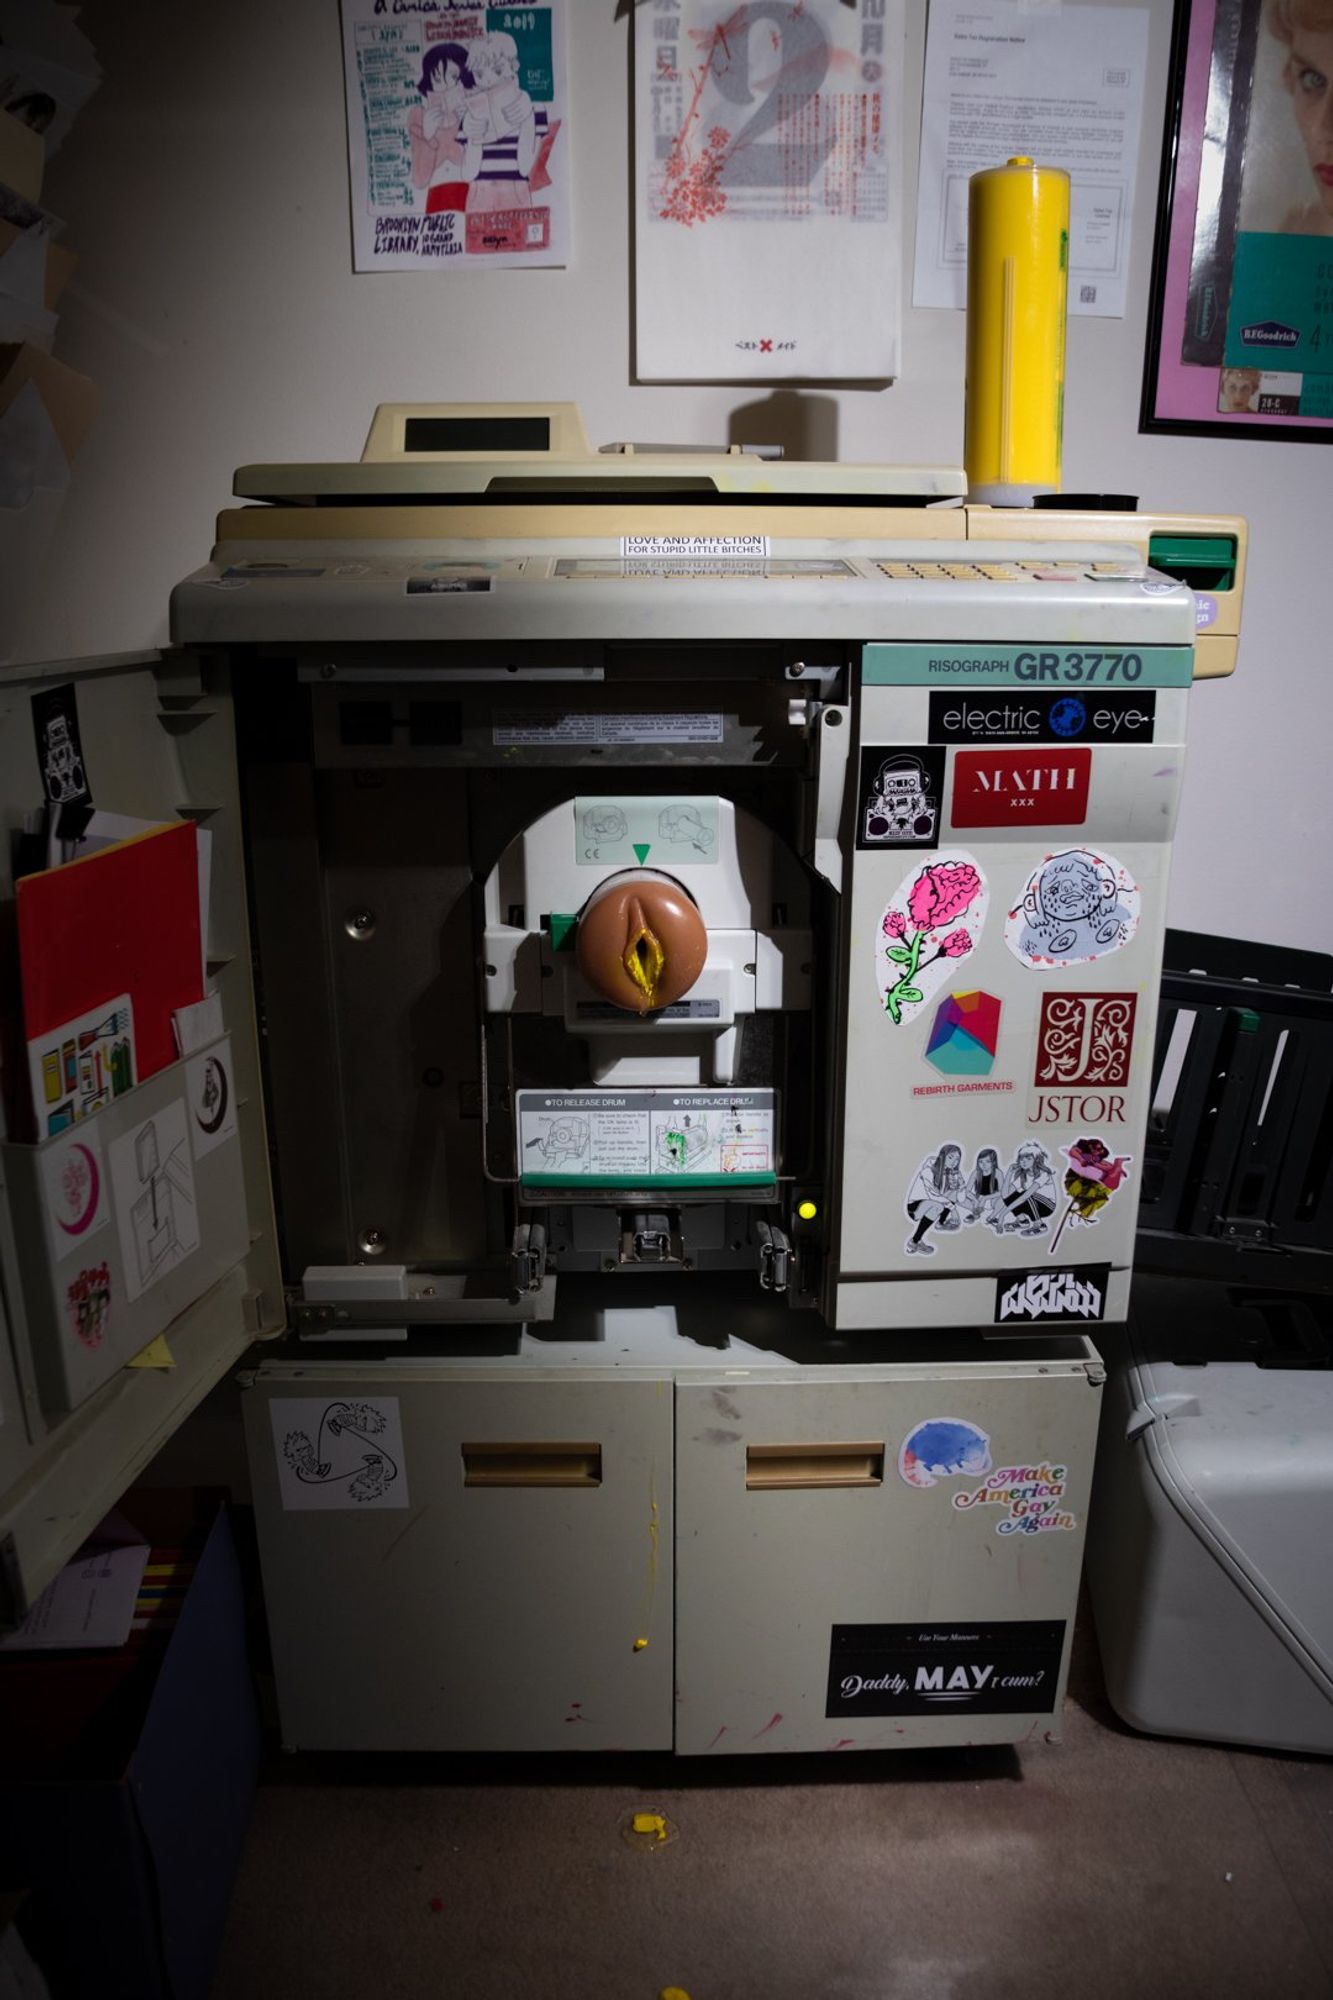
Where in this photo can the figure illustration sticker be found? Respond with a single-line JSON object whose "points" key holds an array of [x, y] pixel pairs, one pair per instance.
{"points": [[901, 791], [1095, 1173], [339, 1454], [1079, 905], [934, 920], [942, 1448], [88, 1306], [945, 1197]]}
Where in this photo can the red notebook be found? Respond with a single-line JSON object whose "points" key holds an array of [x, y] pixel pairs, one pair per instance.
{"points": [[109, 948]]}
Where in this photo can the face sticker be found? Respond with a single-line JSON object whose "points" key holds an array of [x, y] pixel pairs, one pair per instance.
{"points": [[1079, 905], [934, 920], [1095, 1173], [942, 1448], [947, 1196]]}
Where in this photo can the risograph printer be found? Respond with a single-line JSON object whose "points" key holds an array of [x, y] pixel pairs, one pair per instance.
{"points": [[706, 918]]}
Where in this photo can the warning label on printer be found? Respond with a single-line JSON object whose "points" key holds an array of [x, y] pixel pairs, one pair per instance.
{"points": [[646, 1138], [1009, 1668]]}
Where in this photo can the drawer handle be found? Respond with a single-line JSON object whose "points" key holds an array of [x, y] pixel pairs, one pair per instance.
{"points": [[532, 1464], [787, 1465]]}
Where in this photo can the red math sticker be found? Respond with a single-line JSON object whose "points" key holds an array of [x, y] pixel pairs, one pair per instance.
{"points": [[1040, 786]]}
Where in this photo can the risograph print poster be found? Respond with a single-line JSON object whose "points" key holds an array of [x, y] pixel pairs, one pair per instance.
{"points": [[457, 133], [768, 221]]}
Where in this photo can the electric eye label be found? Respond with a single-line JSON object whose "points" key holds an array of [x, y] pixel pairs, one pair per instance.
{"points": [[1043, 716], [1010, 1668]]}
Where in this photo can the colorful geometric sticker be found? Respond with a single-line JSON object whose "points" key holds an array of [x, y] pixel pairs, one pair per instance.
{"points": [[964, 1033], [1079, 905], [934, 919]]}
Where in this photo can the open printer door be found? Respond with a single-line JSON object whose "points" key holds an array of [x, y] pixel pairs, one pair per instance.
{"points": [[153, 736]]}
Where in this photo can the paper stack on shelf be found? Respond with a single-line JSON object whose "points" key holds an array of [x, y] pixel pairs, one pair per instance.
{"points": [[109, 949]]}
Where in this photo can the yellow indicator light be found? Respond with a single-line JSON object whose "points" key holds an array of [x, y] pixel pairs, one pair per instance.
{"points": [[807, 1211]]}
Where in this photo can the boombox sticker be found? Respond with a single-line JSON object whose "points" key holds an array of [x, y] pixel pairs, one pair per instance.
{"points": [[1078, 906], [934, 919]]}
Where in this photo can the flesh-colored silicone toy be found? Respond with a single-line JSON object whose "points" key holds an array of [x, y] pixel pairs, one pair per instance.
{"points": [[641, 943]]}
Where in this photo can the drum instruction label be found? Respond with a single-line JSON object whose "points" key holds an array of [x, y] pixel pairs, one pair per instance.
{"points": [[654, 1138]]}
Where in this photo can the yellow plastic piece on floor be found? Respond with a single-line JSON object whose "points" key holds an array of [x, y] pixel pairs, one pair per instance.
{"points": [[673, 1993], [650, 1823], [639, 1645], [156, 1355]]}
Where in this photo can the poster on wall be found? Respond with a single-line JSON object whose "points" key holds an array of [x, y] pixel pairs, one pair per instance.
{"points": [[457, 134], [1062, 84], [768, 190], [1240, 330]]}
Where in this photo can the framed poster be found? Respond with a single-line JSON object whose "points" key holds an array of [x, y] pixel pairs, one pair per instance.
{"points": [[1240, 324]]}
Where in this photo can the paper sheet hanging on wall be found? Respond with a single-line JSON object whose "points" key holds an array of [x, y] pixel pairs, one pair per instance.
{"points": [[768, 172], [457, 134], [1078, 905], [933, 921]]}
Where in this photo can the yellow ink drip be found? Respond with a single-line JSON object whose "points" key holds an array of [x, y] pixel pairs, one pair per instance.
{"points": [[644, 959]]}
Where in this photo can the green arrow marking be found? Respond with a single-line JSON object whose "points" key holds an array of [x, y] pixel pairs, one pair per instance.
{"points": [[641, 849]]}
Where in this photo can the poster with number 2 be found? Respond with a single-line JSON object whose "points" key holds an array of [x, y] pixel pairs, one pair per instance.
{"points": [[768, 150]]}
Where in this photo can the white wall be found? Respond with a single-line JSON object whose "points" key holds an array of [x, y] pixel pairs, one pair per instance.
{"points": [[206, 190]]}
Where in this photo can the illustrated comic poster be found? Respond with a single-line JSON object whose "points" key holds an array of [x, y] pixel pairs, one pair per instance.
{"points": [[457, 133], [768, 151]]}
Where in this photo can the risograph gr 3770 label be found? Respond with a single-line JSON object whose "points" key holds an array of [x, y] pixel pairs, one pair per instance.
{"points": [[647, 1138]]}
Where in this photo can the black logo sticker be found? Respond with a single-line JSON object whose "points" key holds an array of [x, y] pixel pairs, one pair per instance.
{"points": [[1011, 1668], [1012, 715], [900, 803], [1023, 1296]]}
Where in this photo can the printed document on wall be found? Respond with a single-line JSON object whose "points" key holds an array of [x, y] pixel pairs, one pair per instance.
{"points": [[768, 189], [457, 133], [1063, 85]]}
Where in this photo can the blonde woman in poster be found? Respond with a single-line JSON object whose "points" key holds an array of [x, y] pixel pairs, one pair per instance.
{"points": [[1305, 27]]}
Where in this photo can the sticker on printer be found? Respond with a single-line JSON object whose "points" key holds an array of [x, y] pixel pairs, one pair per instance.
{"points": [[1022, 1499], [55, 721], [1079, 905], [335, 1452], [1073, 1296], [1011, 1667], [943, 1448], [74, 1186], [901, 797], [152, 1186], [88, 1306], [442, 581], [933, 920], [687, 548], [211, 1095]]}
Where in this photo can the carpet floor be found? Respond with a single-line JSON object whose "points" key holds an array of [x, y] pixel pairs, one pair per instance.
{"points": [[1109, 1865]]}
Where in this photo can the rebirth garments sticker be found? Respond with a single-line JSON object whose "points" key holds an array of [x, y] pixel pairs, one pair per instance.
{"points": [[1078, 905], [1008, 1668], [934, 920]]}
